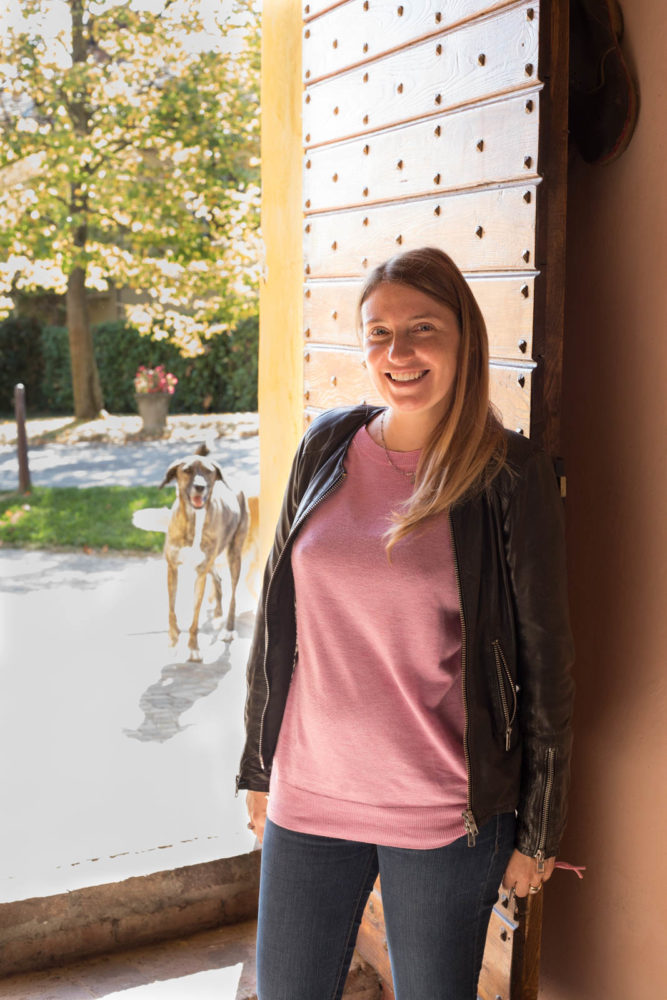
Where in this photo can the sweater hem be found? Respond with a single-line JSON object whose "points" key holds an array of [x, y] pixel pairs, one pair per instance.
{"points": [[408, 826]]}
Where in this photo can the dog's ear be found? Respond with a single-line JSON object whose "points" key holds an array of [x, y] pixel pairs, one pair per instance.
{"points": [[170, 473], [218, 472]]}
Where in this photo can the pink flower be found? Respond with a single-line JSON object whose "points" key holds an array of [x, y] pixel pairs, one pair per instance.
{"points": [[154, 380]]}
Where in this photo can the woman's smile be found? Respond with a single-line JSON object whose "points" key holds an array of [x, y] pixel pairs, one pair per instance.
{"points": [[406, 376]]}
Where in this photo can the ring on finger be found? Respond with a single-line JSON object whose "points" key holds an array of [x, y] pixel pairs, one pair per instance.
{"points": [[533, 889]]}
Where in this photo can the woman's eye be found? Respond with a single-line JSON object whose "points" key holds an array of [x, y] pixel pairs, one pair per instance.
{"points": [[424, 327], [378, 331]]}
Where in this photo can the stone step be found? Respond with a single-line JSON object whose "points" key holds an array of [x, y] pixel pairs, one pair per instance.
{"points": [[69, 927]]}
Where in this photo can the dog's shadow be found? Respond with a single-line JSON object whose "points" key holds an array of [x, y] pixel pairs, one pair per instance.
{"points": [[181, 684]]}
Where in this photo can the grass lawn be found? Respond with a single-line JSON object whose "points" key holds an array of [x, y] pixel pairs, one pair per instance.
{"points": [[94, 518]]}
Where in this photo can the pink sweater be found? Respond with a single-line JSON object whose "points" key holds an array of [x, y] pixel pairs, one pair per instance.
{"points": [[371, 744]]}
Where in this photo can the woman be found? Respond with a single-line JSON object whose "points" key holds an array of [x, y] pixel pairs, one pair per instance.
{"points": [[422, 731]]}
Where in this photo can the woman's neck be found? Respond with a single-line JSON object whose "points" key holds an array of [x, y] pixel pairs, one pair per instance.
{"points": [[402, 431]]}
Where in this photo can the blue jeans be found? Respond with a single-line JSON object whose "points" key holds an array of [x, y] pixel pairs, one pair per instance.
{"points": [[437, 904]]}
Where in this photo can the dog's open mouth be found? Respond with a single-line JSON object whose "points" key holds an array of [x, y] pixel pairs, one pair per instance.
{"points": [[197, 500]]}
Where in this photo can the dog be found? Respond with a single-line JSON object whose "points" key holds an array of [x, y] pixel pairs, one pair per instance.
{"points": [[206, 519]]}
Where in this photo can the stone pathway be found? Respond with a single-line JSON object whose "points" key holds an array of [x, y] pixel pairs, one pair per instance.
{"points": [[114, 456]]}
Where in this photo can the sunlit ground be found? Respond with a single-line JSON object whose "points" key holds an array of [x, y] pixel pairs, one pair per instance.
{"points": [[216, 984]]}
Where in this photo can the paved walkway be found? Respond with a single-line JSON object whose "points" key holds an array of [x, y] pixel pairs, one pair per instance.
{"points": [[142, 464], [117, 756]]}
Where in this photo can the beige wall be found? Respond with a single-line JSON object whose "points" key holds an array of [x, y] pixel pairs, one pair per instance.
{"points": [[604, 937]]}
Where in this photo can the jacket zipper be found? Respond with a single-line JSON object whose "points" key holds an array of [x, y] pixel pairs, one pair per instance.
{"points": [[295, 526], [550, 759], [469, 821], [502, 669]]}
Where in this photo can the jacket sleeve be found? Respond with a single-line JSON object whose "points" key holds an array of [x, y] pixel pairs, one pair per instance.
{"points": [[251, 773], [535, 552]]}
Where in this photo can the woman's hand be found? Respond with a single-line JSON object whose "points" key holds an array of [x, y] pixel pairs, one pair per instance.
{"points": [[521, 876], [256, 803]]}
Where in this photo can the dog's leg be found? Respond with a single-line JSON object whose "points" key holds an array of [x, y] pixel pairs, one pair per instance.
{"points": [[193, 644], [234, 560], [234, 550], [172, 583], [217, 589]]}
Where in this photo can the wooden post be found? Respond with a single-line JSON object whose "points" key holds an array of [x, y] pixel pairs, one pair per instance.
{"points": [[21, 438], [524, 981]]}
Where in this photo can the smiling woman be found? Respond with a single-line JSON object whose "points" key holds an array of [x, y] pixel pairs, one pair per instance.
{"points": [[419, 561]]}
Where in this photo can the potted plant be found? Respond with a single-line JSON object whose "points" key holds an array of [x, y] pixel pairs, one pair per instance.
{"points": [[153, 387]]}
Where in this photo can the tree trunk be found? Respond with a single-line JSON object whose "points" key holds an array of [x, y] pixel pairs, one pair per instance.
{"points": [[85, 379]]}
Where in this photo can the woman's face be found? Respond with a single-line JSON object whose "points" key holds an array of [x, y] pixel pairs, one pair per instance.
{"points": [[411, 347]]}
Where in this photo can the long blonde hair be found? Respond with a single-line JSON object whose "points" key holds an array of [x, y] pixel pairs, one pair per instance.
{"points": [[467, 447]]}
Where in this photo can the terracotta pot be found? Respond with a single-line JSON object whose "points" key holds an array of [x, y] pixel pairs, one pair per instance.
{"points": [[153, 408]]}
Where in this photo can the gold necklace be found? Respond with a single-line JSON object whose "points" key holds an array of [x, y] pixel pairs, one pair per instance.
{"points": [[408, 475]]}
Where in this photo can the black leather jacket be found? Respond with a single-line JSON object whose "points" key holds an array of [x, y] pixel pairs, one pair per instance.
{"points": [[516, 649]]}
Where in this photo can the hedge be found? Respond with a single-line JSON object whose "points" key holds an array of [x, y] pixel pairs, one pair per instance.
{"points": [[222, 380], [21, 359]]}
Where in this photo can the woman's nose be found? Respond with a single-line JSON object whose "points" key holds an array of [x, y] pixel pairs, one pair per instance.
{"points": [[400, 347]]}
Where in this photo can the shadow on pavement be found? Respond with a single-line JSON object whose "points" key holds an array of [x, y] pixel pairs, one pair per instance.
{"points": [[181, 684]]}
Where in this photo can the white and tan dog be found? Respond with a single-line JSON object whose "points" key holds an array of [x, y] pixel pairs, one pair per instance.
{"points": [[206, 519]]}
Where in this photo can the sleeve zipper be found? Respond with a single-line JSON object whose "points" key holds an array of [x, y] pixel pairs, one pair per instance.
{"points": [[550, 763]]}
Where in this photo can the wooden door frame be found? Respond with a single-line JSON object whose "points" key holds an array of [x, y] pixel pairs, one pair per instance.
{"points": [[280, 378]]}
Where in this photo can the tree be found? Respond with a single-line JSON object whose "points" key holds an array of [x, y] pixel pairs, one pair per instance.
{"points": [[129, 144]]}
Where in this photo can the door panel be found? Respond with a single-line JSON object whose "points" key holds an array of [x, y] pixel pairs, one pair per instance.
{"points": [[452, 152], [489, 230], [334, 376], [357, 32], [507, 303], [484, 59]]}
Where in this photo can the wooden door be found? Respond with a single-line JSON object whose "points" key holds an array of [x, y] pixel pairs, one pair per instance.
{"points": [[439, 122]]}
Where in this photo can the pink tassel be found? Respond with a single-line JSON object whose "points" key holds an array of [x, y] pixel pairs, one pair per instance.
{"points": [[577, 869]]}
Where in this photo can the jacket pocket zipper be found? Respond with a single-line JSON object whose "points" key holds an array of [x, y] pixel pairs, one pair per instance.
{"points": [[550, 762], [502, 673]]}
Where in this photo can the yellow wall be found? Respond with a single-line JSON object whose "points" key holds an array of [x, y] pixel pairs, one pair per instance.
{"points": [[604, 937], [281, 291]]}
